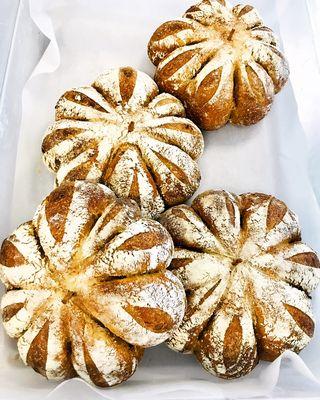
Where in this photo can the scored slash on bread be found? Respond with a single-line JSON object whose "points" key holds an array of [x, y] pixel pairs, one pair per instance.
{"points": [[248, 280], [120, 131], [223, 63], [88, 286]]}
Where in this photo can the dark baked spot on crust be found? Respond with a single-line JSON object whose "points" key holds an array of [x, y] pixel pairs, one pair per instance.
{"points": [[310, 259], [38, 350], [276, 211], [177, 263], [231, 210], [245, 10], [127, 83], [11, 310], [143, 241], [232, 342], [169, 28], [82, 99], [134, 192], [208, 87], [302, 319], [10, 256], [93, 372], [177, 212], [57, 208], [59, 135], [153, 319], [172, 66]]}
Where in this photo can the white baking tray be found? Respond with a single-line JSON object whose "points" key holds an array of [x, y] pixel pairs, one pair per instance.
{"points": [[283, 152]]}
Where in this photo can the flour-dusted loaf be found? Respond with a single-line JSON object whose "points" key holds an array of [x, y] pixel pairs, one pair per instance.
{"points": [[222, 62], [87, 285], [121, 132], [247, 277]]}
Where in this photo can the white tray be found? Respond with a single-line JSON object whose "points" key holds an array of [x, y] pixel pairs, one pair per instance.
{"points": [[24, 180]]}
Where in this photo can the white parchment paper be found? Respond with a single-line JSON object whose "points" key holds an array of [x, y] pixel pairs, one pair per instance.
{"points": [[87, 37]]}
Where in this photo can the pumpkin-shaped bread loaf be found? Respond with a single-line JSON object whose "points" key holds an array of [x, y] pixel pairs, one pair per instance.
{"points": [[119, 131], [248, 280], [222, 62], [87, 285]]}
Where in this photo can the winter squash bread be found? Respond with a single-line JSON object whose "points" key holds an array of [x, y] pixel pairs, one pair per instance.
{"points": [[248, 280], [119, 131], [87, 285], [223, 63]]}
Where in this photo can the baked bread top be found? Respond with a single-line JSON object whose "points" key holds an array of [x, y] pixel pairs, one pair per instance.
{"points": [[121, 132], [87, 285], [222, 62], [248, 280]]}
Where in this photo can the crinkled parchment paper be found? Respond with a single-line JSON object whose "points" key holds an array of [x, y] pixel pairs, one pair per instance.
{"points": [[87, 37]]}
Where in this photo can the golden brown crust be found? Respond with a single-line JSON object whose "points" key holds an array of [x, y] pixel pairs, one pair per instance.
{"points": [[57, 209], [37, 354], [155, 320], [221, 62], [10, 256], [248, 280], [11, 310]]}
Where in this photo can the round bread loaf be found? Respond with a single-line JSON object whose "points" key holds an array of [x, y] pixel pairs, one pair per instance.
{"points": [[247, 277], [88, 286], [222, 62], [121, 132]]}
